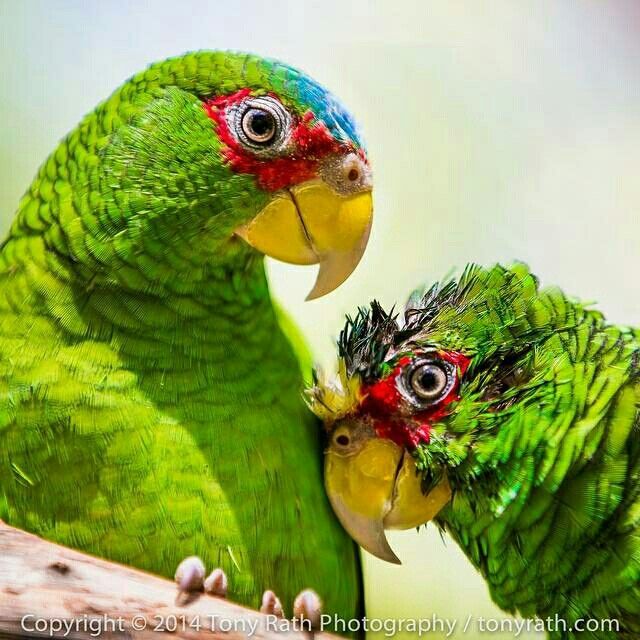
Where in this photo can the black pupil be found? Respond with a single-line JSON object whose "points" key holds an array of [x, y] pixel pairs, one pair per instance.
{"points": [[429, 381], [261, 123], [343, 440]]}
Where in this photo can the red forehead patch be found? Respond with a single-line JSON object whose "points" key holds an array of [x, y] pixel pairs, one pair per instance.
{"points": [[310, 141]]}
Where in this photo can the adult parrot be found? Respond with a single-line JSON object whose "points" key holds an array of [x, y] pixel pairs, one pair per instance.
{"points": [[151, 403], [508, 414]]}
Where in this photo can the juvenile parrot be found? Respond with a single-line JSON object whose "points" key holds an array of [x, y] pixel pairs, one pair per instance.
{"points": [[510, 416], [151, 404]]}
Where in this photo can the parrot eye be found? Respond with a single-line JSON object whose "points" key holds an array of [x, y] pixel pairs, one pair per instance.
{"points": [[427, 381], [261, 123], [259, 126]]}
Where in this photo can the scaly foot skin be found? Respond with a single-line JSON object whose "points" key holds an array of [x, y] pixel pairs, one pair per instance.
{"points": [[190, 575], [307, 609], [190, 579], [216, 584], [271, 604]]}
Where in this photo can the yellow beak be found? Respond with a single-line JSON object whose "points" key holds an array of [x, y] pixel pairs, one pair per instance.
{"points": [[309, 224], [378, 488]]}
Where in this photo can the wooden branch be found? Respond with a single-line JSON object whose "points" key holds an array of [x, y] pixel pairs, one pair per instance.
{"points": [[44, 586]]}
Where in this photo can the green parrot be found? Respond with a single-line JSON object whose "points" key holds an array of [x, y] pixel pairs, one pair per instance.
{"points": [[508, 414], [151, 402]]}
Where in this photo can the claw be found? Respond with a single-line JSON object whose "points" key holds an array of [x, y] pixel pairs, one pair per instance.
{"points": [[216, 583], [308, 607], [271, 604], [190, 575]]}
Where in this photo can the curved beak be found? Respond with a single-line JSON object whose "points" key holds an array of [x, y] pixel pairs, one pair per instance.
{"points": [[312, 224], [378, 488]]}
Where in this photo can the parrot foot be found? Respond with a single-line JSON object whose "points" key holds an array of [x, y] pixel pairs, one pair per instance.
{"points": [[307, 609], [216, 583], [271, 604], [190, 577]]}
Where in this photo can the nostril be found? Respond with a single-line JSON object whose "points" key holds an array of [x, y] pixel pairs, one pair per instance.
{"points": [[353, 174], [346, 174]]}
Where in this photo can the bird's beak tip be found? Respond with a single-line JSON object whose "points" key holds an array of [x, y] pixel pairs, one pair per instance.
{"points": [[378, 488]]}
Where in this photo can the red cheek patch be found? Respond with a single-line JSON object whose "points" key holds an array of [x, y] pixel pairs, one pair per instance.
{"points": [[310, 141], [404, 434]]}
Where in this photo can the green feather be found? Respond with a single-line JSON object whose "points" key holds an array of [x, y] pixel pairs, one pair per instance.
{"points": [[151, 403], [542, 448]]}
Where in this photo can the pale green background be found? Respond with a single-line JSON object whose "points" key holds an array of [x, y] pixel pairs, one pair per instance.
{"points": [[497, 130]]}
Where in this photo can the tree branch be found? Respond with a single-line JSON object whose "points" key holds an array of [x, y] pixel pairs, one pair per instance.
{"points": [[44, 586]]}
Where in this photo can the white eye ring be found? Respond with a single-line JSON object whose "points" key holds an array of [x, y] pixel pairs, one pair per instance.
{"points": [[261, 123], [427, 381]]}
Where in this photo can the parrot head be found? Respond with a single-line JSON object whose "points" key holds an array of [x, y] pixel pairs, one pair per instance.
{"points": [[246, 149], [427, 412]]}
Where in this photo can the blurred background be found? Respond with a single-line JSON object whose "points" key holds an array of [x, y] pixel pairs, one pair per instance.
{"points": [[497, 131]]}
